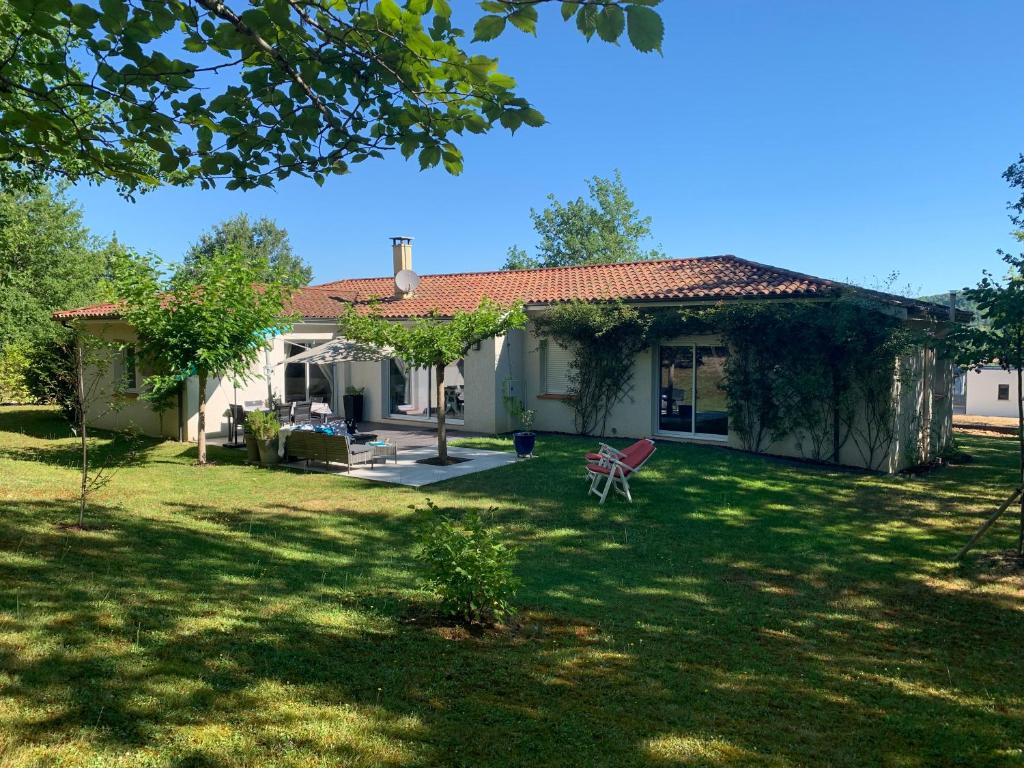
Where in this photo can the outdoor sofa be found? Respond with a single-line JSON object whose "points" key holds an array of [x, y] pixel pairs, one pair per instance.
{"points": [[329, 449]]}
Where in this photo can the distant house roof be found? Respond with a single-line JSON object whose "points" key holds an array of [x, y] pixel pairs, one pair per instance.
{"points": [[707, 279]]}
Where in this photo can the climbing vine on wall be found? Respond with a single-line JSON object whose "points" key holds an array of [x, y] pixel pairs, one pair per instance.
{"points": [[820, 372], [823, 373], [605, 340]]}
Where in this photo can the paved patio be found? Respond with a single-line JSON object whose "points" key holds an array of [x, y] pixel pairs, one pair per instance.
{"points": [[413, 443], [407, 472]]}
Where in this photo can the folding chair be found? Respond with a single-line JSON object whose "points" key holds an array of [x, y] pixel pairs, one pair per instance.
{"points": [[614, 468]]}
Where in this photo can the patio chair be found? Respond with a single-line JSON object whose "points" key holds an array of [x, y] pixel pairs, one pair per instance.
{"points": [[303, 413], [284, 413], [613, 468]]}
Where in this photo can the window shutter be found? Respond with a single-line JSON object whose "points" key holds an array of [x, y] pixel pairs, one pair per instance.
{"points": [[557, 360]]}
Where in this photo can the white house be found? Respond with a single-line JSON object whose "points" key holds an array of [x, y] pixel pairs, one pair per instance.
{"points": [[675, 394], [991, 391]]}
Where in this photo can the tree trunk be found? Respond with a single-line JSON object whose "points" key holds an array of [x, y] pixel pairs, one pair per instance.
{"points": [[1020, 442], [80, 396], [201, 437], [442, 437]]}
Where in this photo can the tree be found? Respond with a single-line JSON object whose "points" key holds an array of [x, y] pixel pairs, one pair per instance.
{"points": [[210, 319], [251, 93], [607, 229], [1001, 341], [434, 341], [1000, 337], [48, 261], [260, 241]]}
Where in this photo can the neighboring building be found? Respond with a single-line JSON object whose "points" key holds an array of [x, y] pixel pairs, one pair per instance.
{"points": [[991, 391], [675, 393]]}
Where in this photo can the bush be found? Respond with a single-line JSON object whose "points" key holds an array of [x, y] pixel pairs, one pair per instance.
{"points": [[13, 367], [468, 566]]}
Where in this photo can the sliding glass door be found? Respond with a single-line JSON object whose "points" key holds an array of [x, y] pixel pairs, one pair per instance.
{"points": [[307, 381], [412, 392], [691, 399]]}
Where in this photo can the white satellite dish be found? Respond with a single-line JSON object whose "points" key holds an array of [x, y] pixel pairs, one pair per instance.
{"points": [[406, 281]]}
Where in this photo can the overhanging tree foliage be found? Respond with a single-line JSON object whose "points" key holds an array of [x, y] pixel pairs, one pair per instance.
{"points": [[434, 342], [605, 229], [212, 319], [261, 241], [140, 92]]}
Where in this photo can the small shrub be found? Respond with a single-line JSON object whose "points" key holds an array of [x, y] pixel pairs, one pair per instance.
{"points": [[468, 565]]}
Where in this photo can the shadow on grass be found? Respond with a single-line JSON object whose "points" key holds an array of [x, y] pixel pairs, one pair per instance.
{"points": [[739, 613]]}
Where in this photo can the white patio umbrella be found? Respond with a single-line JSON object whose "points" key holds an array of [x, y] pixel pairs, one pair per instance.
{"points": [[340, 350]]}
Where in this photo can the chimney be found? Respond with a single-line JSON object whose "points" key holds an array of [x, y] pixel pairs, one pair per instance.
{"points": [[401, 253]]}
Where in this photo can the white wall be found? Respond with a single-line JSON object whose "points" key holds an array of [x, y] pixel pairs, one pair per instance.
{"points": [[983, 391]]}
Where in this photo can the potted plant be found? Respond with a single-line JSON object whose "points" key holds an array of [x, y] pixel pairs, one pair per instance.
{"points": [[353, 403], [525, 439], [264, 427], [252, 446]]}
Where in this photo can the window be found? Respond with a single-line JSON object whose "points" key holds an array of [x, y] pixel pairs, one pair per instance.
{"points": [[412, 392], [1004, 392], [555, 366], [307, 381], [691, 398], [127, 369]]}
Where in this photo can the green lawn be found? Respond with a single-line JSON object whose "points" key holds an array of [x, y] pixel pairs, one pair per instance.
{"points": [[742, 612]]}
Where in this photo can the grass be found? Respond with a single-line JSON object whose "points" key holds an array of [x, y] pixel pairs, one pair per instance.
{"points": [[743, 612]]}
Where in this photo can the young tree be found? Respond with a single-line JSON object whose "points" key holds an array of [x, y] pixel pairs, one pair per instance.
{"points": [[205, 320], [252, 92], [434, 342], [999, 336], [261, 241], [606, 229], [1000, 341]]}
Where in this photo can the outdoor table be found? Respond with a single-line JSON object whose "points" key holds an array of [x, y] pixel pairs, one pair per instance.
{"points": [[389, 449], [321, 410], [363, 437]]}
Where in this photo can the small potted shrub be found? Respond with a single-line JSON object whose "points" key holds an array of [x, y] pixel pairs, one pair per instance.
{"points": [[352, 401], [264, 427], [525, 439]]}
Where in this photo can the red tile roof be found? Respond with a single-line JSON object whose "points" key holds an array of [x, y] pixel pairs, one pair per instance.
{"points": [[712, 278]]}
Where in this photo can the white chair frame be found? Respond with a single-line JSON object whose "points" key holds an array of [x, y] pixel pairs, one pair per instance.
{"points": [[618, 473]]}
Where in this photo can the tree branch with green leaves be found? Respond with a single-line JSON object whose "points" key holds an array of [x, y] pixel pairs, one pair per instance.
{"points": [[208, 319], [433, 342], [247, 92]]}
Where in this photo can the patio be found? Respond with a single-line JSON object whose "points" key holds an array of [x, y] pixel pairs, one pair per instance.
{"points": [[412, 443]]}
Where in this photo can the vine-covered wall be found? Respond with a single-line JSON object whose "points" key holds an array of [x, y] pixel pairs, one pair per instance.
{"points": [[843, 381]]}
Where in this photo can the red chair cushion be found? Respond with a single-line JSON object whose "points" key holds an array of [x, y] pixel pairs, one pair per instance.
{"points": [[594, 457], [599, 468], [637, 453]]}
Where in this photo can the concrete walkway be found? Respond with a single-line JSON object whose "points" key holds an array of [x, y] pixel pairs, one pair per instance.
{"points": [[407, 472]]}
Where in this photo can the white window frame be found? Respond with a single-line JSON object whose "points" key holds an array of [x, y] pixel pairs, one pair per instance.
{"points": [[656, 360]]}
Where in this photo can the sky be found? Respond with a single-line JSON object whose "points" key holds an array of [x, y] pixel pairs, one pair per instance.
{"points": [[847, 140]]}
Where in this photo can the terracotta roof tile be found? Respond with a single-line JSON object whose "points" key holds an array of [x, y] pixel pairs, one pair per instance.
{"points": [[698, 279]]}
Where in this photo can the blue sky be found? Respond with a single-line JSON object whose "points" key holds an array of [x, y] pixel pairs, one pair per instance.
{"points": [[846, 140]]}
